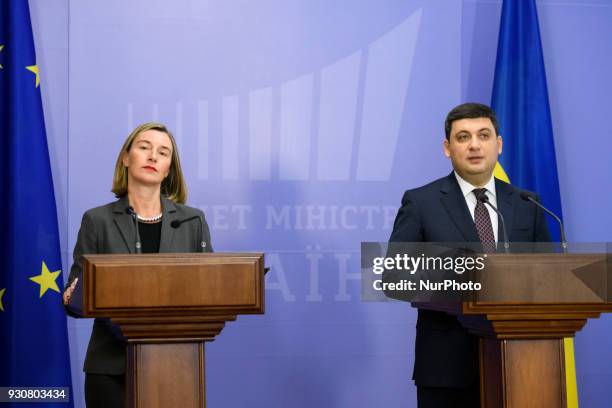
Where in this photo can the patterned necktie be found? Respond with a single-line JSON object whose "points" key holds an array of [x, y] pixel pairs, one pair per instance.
{"points": [[483, 222]]}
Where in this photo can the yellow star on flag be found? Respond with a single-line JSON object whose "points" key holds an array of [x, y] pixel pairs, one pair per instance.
{"points": [[1, 295], [34, 69], [1, 47], [46, 279]]}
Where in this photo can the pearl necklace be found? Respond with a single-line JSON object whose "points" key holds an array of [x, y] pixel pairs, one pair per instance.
{"points": [[151, 219]]}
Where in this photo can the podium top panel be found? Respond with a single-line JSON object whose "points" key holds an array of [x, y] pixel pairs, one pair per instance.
{"points": [[172, 284]]}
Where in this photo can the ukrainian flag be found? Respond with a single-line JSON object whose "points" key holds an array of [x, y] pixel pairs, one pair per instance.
{"points": [[520, 99], [33, 336]]}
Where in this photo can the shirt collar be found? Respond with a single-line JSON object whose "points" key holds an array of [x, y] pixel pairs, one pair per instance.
{"points": [[467, 188]]}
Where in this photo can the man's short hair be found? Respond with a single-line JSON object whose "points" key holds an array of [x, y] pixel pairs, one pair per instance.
{"points": [[469, 111]]}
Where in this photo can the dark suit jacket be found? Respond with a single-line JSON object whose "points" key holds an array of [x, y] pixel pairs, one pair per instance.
{"points": [[110, 230], [446, 355]]}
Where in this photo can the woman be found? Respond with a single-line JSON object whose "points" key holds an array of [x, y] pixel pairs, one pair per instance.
{"points": [[149, 185]]}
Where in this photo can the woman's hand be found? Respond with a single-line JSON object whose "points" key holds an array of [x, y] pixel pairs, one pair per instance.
{"points": [[69, 290]]}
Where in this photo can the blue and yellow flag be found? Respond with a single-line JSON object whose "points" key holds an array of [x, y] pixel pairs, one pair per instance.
{"points": [[33, 336], [520, 99]]}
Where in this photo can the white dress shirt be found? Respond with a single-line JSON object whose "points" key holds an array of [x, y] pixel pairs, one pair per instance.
{"points": [[470, 199]]}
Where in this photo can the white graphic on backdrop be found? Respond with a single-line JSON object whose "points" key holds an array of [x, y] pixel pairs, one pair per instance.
{"points": [[260, 134], [203, 142], [238, 217], [330, 129], [311, 261]]}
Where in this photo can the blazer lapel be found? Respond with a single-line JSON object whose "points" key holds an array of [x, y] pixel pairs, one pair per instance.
{"points": [[124, 223], [167, 232], [505, 205], [453, 201]]}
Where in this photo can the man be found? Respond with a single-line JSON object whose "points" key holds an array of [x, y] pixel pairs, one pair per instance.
{"points": [[447, 210]]}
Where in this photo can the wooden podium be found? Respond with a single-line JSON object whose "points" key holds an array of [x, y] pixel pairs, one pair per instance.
{"points": [[168, 306], [529, 303]]}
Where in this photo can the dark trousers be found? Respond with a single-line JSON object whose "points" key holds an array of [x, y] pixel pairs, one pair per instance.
{"points": [[434, 397], [104, 391]]}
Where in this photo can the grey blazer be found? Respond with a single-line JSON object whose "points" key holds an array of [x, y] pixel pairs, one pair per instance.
{"points": [[108, 229]]}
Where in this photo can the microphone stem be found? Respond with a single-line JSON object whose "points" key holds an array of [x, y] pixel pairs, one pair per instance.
{"points": [[176, 224], [506, 244], [563, 238], [137, 245]]}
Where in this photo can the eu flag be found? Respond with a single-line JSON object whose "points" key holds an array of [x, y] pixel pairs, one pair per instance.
{"points": [[33, 336]]}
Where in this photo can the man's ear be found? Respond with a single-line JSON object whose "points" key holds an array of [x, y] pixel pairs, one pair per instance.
{"points": [[499, 144], [446, 144]]}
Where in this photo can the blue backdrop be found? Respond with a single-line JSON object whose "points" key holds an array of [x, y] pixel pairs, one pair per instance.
{"points": [[300, 124]]}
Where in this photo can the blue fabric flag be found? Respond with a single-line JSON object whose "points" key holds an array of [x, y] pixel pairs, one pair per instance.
{"points": [[520, 99], [33, 336]]}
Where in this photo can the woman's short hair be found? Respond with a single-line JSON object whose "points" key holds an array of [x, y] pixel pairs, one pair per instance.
{"points": [[173, 186]]}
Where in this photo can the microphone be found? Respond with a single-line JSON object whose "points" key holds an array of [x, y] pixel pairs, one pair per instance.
{"points": [[528, 197], [177, 223], [129, 210], [482, 197]]}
